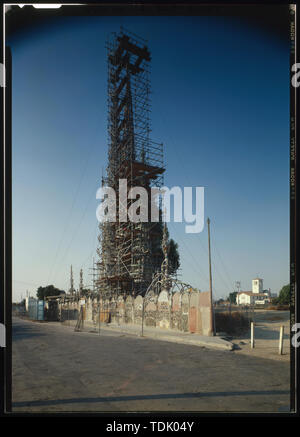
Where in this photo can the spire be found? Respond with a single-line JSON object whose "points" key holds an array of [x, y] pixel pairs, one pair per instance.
{"points": [[165, 263], [71, 291], [80, 282]]}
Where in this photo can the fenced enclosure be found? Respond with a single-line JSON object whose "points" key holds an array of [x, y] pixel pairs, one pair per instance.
{"points": [[188, 311]]}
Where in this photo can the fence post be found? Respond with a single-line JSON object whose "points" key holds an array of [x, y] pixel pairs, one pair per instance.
{"points": [[99, 311], [281, 340], [143, 311], [252, 336]]}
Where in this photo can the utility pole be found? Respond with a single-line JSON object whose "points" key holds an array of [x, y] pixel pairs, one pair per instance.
{"points": [[212, 324]]}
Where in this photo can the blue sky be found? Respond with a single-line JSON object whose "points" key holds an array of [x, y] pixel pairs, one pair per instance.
{"points": [[220, 105]]}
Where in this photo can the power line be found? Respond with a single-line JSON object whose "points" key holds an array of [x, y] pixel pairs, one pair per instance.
{"points": [[95, 239], [216, 269], [76, 230], [198, 268], [181, 163], [26, 283], [69, 216], [223, 264]]}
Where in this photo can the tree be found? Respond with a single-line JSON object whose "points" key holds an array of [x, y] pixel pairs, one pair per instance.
{"points": [[49, 290], [284, 295], [173, 256], [232, 297]]}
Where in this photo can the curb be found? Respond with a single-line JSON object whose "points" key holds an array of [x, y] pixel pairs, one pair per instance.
{"points": [[207, 342], [220, 344]]}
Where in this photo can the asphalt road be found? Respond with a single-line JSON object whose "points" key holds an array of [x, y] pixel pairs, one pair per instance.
{"points": [[56, 369]]}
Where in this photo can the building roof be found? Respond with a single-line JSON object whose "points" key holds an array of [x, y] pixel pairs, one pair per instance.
{"points": [[249, 293], [261, 294]]}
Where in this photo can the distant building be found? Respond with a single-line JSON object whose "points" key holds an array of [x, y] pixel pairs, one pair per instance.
{"points": [[245, 298], [257, 285], [257, 296]]}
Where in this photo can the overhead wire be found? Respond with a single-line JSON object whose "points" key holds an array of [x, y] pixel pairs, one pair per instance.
{"points": [[67, 223], [186, 175]]}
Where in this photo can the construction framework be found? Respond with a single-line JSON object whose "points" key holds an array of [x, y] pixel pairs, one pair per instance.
{"points": [[130, 254]]}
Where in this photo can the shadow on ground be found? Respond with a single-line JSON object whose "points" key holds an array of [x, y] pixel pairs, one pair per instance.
{"points": [[21, 332], [149, 397]]}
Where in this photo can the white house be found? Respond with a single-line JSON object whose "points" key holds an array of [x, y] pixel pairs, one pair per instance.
{"points": [[257, 296], [245, 298]]}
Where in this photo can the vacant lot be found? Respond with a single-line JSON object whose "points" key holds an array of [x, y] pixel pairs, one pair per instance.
{"points": [[56, 369], [266, 333]]}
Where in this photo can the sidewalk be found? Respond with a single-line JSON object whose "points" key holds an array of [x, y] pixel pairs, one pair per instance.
{"points": [[164, 335]]}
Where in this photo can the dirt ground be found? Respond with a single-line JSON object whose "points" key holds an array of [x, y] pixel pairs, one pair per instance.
{"points": [[266, 333], [57, 369]]}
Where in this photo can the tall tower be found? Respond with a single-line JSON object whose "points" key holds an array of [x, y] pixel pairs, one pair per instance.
{"points": [[257, 285], [71, 291], [129, 253], [80, 282]]}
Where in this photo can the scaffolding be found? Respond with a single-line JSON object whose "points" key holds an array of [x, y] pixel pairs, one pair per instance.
{"points": [[130, 254]]}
